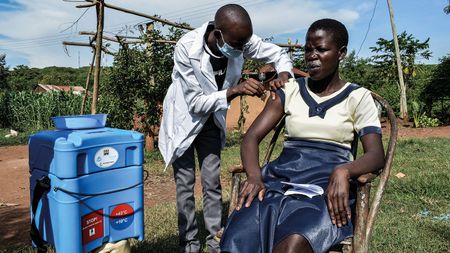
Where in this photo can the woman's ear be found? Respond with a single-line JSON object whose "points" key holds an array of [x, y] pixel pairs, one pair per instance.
{"points": [[342, 53]]}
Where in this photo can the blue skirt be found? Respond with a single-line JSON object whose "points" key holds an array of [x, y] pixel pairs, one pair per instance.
{"points": [[260, 227]]}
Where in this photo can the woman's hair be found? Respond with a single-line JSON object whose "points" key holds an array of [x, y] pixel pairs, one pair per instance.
{"points": [[340, 34]]}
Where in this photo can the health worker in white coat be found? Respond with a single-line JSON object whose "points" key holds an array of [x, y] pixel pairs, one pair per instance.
{"points": [[207, 68]]}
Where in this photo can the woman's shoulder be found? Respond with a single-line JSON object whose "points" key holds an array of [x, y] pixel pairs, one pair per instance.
{"points": [[360, 97], [292, 85], [359, 92]]}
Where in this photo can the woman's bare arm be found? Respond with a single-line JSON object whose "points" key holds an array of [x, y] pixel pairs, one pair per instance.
{"points": [[338, 186], [263, 124]]}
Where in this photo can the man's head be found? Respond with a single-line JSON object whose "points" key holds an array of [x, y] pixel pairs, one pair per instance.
{"points": [[232, 26]]}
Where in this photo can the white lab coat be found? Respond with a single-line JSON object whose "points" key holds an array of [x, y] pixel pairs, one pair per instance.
{"points": [[193, 94]]}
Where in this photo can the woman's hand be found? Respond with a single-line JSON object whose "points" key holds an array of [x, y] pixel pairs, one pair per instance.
{"points": [[337, 196], [251, 187]]}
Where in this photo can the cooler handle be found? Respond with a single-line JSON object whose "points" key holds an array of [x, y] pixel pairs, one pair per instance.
{"points": [[42, 186]]}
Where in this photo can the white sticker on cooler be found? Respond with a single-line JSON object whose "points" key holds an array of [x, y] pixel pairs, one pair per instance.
{"points": [[106, 157]]}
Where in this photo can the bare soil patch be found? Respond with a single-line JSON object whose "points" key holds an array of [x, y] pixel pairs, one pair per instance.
{"points": [[15, 194]]}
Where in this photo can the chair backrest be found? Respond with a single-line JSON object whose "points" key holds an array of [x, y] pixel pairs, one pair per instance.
{"points": [[273, 141], [385, 171]]}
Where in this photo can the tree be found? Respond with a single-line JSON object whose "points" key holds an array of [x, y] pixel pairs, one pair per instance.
{"points": [[358, 70], [438, 88], [23, 78], [447, 8], [133, 89], [3, 72], [63, 76], [410, 49]]}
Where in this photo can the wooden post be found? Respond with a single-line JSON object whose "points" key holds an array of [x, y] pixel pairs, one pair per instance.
{"points": [[98, 52], [124, 39], [362, 210], [403, 104], [150, 30], [244, 110], [150, 136], [81, 44], [290, 49], [88, 80]]}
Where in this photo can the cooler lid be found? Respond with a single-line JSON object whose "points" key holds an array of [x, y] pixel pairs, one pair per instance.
{"points": [[75, 122]]}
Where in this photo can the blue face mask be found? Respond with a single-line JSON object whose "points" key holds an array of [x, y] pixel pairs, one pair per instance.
{"points": [[227, 50]]}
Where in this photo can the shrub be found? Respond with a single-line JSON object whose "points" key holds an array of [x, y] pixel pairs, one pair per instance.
{"points": [[420, 118], [425, 121]]}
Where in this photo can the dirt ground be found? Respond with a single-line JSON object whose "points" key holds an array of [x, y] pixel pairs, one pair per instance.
{"points": [[14, 182]]}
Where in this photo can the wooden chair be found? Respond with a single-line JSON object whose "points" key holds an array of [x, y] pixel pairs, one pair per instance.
{"points": [[366, 210]]}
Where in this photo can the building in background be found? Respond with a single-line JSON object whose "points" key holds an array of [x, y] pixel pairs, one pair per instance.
{"points": [[76, 90]]}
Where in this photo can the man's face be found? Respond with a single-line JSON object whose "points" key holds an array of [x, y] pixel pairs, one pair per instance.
{"points": [[235, 37]]}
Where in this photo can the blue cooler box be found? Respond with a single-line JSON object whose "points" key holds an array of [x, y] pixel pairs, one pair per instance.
{"points": [[86, 185]]}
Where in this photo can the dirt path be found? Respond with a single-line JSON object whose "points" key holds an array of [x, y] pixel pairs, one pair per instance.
{"points": [[14, 198]]}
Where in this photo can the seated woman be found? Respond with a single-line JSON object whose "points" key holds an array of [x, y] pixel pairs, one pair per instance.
{"points": [[322, 114]]}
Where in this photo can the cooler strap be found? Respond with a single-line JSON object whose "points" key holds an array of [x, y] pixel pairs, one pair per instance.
{"points": [[42, 186]]}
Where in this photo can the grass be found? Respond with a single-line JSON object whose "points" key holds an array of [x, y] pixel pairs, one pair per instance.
{"points": [[413, 216], [409, 217]]}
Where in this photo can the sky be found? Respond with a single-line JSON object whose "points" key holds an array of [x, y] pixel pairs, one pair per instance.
{"points": [[31, 32]]}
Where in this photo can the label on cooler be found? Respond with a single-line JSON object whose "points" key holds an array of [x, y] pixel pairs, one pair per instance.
{"points": [[92, 226], [106, 157], [121, 216]]}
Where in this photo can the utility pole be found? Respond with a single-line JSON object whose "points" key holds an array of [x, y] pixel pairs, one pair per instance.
{"points": [[100, 7], [403, 104]]}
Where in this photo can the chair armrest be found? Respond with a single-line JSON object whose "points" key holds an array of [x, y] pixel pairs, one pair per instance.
{"points": [[236, 169], [366, 178]]}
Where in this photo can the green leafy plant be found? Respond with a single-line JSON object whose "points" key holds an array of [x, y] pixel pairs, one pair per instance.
{"points": [[410, 50], [425, 121], [420, 118]]}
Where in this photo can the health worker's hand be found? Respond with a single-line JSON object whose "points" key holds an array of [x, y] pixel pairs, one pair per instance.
{"points": [[278, 83], [250, 87]]}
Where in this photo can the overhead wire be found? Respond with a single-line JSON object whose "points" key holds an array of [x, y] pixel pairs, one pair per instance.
{"points": [[193, 11], [78, 19], [192, 8], [182, 14], [111, 29], [168, 15], [189, 12], [368, 27], [211, 9], [42, 41], [172, 15]]}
